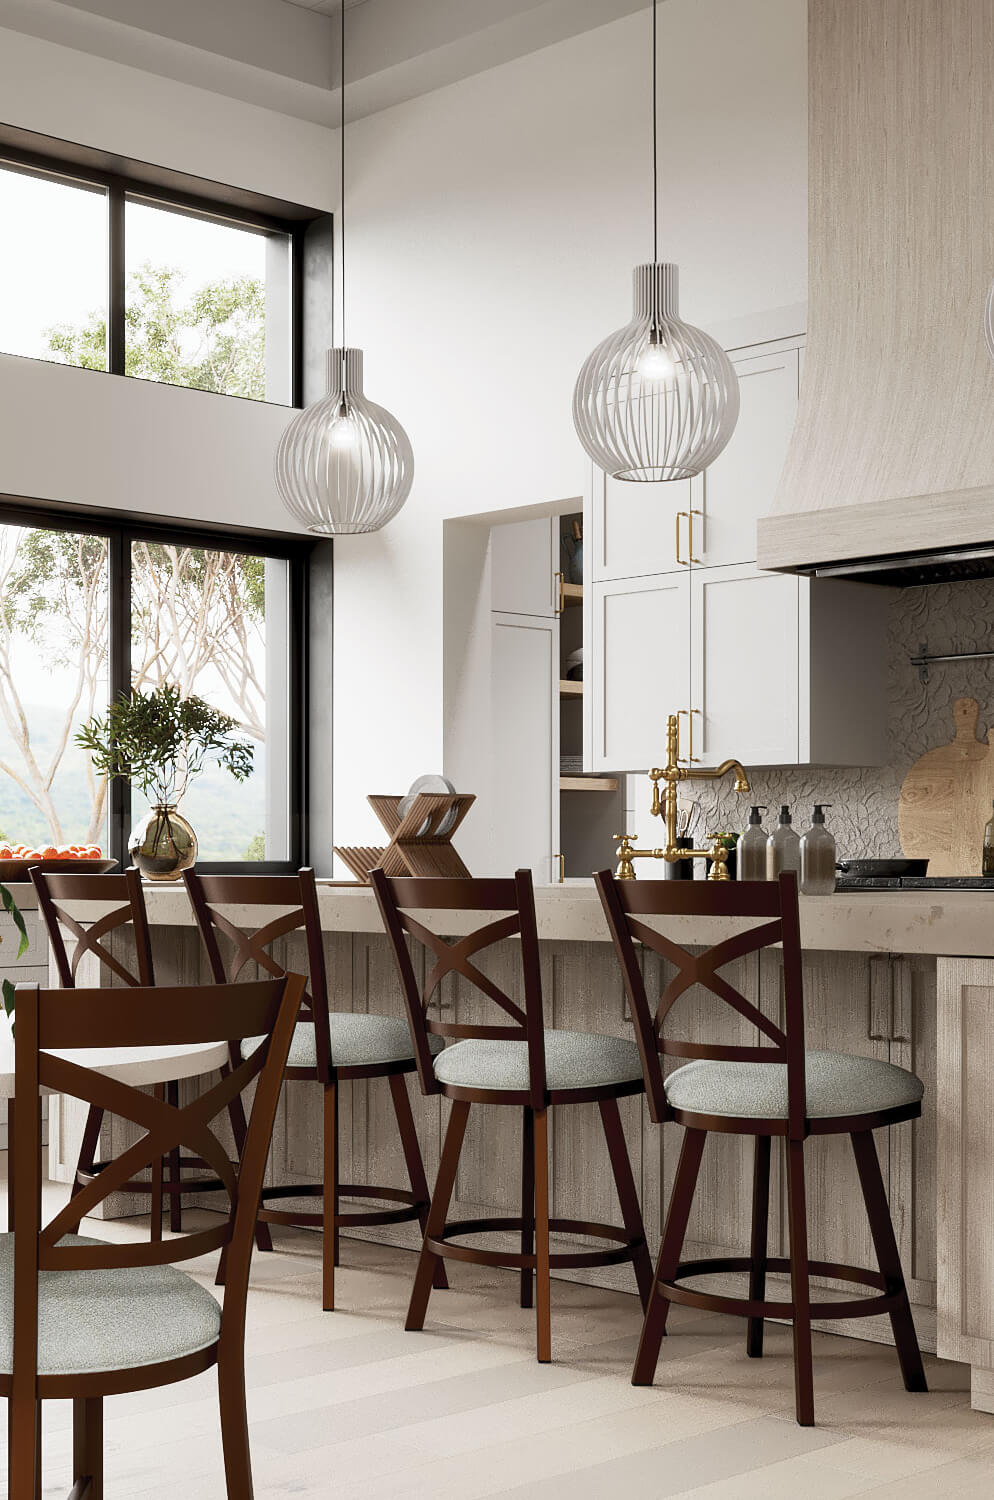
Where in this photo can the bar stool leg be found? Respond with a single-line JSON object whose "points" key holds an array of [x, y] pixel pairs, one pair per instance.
{"points": [[527, 1203], [888, 1258], [329, 1245], [758, 1249], [239, 1129], [88, 1148], [444, 1185], [88, 1443], [543, 1276], [631, 1213], [677, 1218], [155, 1207], [413, 1160], [800, 1286]]}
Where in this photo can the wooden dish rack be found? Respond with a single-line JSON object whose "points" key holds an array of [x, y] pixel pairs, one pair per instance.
{"points": [[411, 851]]}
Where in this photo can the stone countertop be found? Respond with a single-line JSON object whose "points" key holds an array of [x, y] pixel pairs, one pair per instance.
{"points": [[947, 922]]}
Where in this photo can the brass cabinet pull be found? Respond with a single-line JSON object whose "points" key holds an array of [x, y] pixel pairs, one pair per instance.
{"points": [[560, 592], [562, 867], [683, 561], [690, 520], [692, 759]]}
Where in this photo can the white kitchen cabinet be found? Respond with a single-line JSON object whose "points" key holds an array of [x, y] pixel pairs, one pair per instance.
{"points": [[640, 667], [744, 642], [777, 670], [524, 558], [632, 528], [525, 744], [730, 496]]}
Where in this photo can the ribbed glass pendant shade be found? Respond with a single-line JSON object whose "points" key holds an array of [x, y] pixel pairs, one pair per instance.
{"points": [[344, 465], [659, 399]]}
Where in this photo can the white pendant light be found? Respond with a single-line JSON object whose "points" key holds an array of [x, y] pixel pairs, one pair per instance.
{"points": [[659, 398], [344, 465]]}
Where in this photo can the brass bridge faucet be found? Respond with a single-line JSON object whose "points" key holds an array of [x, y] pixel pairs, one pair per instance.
{"points": [[672, 774]]}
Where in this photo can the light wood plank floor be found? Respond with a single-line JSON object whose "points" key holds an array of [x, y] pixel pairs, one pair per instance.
{"points": [[348, 1405]]}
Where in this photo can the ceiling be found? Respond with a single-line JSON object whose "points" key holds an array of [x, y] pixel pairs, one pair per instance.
{"points": [[284, 54]]}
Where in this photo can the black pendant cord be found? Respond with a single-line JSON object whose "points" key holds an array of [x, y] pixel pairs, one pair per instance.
{"points": [[655, 144], [341, 237]]}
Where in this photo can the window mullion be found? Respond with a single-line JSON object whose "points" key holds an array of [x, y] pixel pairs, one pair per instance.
{"points": [[115, 285], [119, 652]]}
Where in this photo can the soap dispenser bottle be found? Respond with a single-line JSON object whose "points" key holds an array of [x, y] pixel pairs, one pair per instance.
{"points": [[818, 856], [751, 848], [783, 847]]}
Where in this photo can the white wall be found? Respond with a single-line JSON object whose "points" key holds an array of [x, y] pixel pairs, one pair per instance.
{"points": [[82, 438], [493, 230]]}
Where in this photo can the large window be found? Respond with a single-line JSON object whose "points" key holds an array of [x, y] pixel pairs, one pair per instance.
{"points": [[109, 272], [85, 613]]}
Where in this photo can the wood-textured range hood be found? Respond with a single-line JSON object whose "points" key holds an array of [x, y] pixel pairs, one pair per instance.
{"points": [[892, 456]]}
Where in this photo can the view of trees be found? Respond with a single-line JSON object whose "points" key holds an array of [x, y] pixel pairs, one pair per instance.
{"points": [[198, 616]]}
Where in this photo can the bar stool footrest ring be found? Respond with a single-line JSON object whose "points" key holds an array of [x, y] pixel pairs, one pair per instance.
{"points": [[888, 1298], [511, 1260]]}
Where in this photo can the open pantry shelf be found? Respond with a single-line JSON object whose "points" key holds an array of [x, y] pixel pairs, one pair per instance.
{"points": [[588, 783]]}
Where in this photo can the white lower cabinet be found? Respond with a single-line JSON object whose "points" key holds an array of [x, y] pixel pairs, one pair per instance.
{"points": [[639, 669], [777, 669]]}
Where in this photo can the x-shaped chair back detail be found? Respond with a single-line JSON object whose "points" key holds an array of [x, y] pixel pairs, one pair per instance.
{"points": [[626, 902], [398, 897], [209, 893], [98, 889]]}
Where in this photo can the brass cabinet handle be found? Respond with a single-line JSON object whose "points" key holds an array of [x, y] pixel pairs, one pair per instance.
{"points": [[692, 759], [562, 867], [690, 519], [560, 592], [683, 561]]}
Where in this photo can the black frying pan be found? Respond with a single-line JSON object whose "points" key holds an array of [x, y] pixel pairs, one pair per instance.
{"points": [[877, 869]]}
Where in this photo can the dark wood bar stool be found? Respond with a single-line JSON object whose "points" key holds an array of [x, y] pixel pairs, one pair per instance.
{"points": [[124, 1317], [185, 1171], [775, 1088], [517, 1064], [327, 1049]]}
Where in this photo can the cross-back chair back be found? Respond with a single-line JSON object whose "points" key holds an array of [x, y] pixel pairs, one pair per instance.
{"points": [[48, 1023], [209, 894], [627, 903], [402, 895], [56, 892]]}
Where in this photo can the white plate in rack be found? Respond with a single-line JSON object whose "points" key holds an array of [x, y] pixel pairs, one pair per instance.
{"points": [[438, 786]]}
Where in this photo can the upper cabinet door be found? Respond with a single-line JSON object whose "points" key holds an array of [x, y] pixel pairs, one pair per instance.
{"points": [[745, 636], [632, 529], [740, 485], [640, 668], [524, 557]]}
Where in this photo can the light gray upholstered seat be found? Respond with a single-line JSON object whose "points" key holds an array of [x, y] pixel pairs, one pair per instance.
{"points": [[836, 1084], [573, 1060], [357, 1040], [109, 1320]]}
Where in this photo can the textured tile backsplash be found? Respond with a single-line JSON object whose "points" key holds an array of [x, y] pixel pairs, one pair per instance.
{"points": [[950, 617]]}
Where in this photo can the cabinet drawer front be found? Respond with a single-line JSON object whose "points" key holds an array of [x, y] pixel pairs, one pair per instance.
{"points": [[745, 666], [634, 528], [641, 668], [740, 485]]}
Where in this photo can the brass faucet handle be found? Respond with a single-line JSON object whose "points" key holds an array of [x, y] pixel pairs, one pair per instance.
{"points": [[626, 870]]}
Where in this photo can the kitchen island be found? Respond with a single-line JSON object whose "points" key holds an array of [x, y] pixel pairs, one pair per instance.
{"points": [[901, 975]]}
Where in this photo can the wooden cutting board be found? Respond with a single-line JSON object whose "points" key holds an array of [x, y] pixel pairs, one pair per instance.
{"points": [[946, 799]]}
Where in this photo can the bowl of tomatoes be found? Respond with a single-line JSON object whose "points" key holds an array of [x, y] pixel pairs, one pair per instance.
{"points": [[16, 860]]}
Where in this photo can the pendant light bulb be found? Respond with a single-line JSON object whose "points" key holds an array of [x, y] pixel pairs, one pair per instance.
{"points": [[654, 363], [343, 432]]}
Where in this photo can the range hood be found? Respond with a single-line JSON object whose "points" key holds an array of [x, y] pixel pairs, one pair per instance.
{"points": [[890, 473]]}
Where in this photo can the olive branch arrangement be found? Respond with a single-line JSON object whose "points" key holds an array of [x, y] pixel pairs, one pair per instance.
{"points": [[160, 740]]}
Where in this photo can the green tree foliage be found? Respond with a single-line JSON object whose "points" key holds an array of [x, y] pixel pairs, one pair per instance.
{"points": [[256, 848], [214, 340]]}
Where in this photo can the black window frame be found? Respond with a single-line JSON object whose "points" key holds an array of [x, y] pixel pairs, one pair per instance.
{"points": [[78, 166], [121, 532]]}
